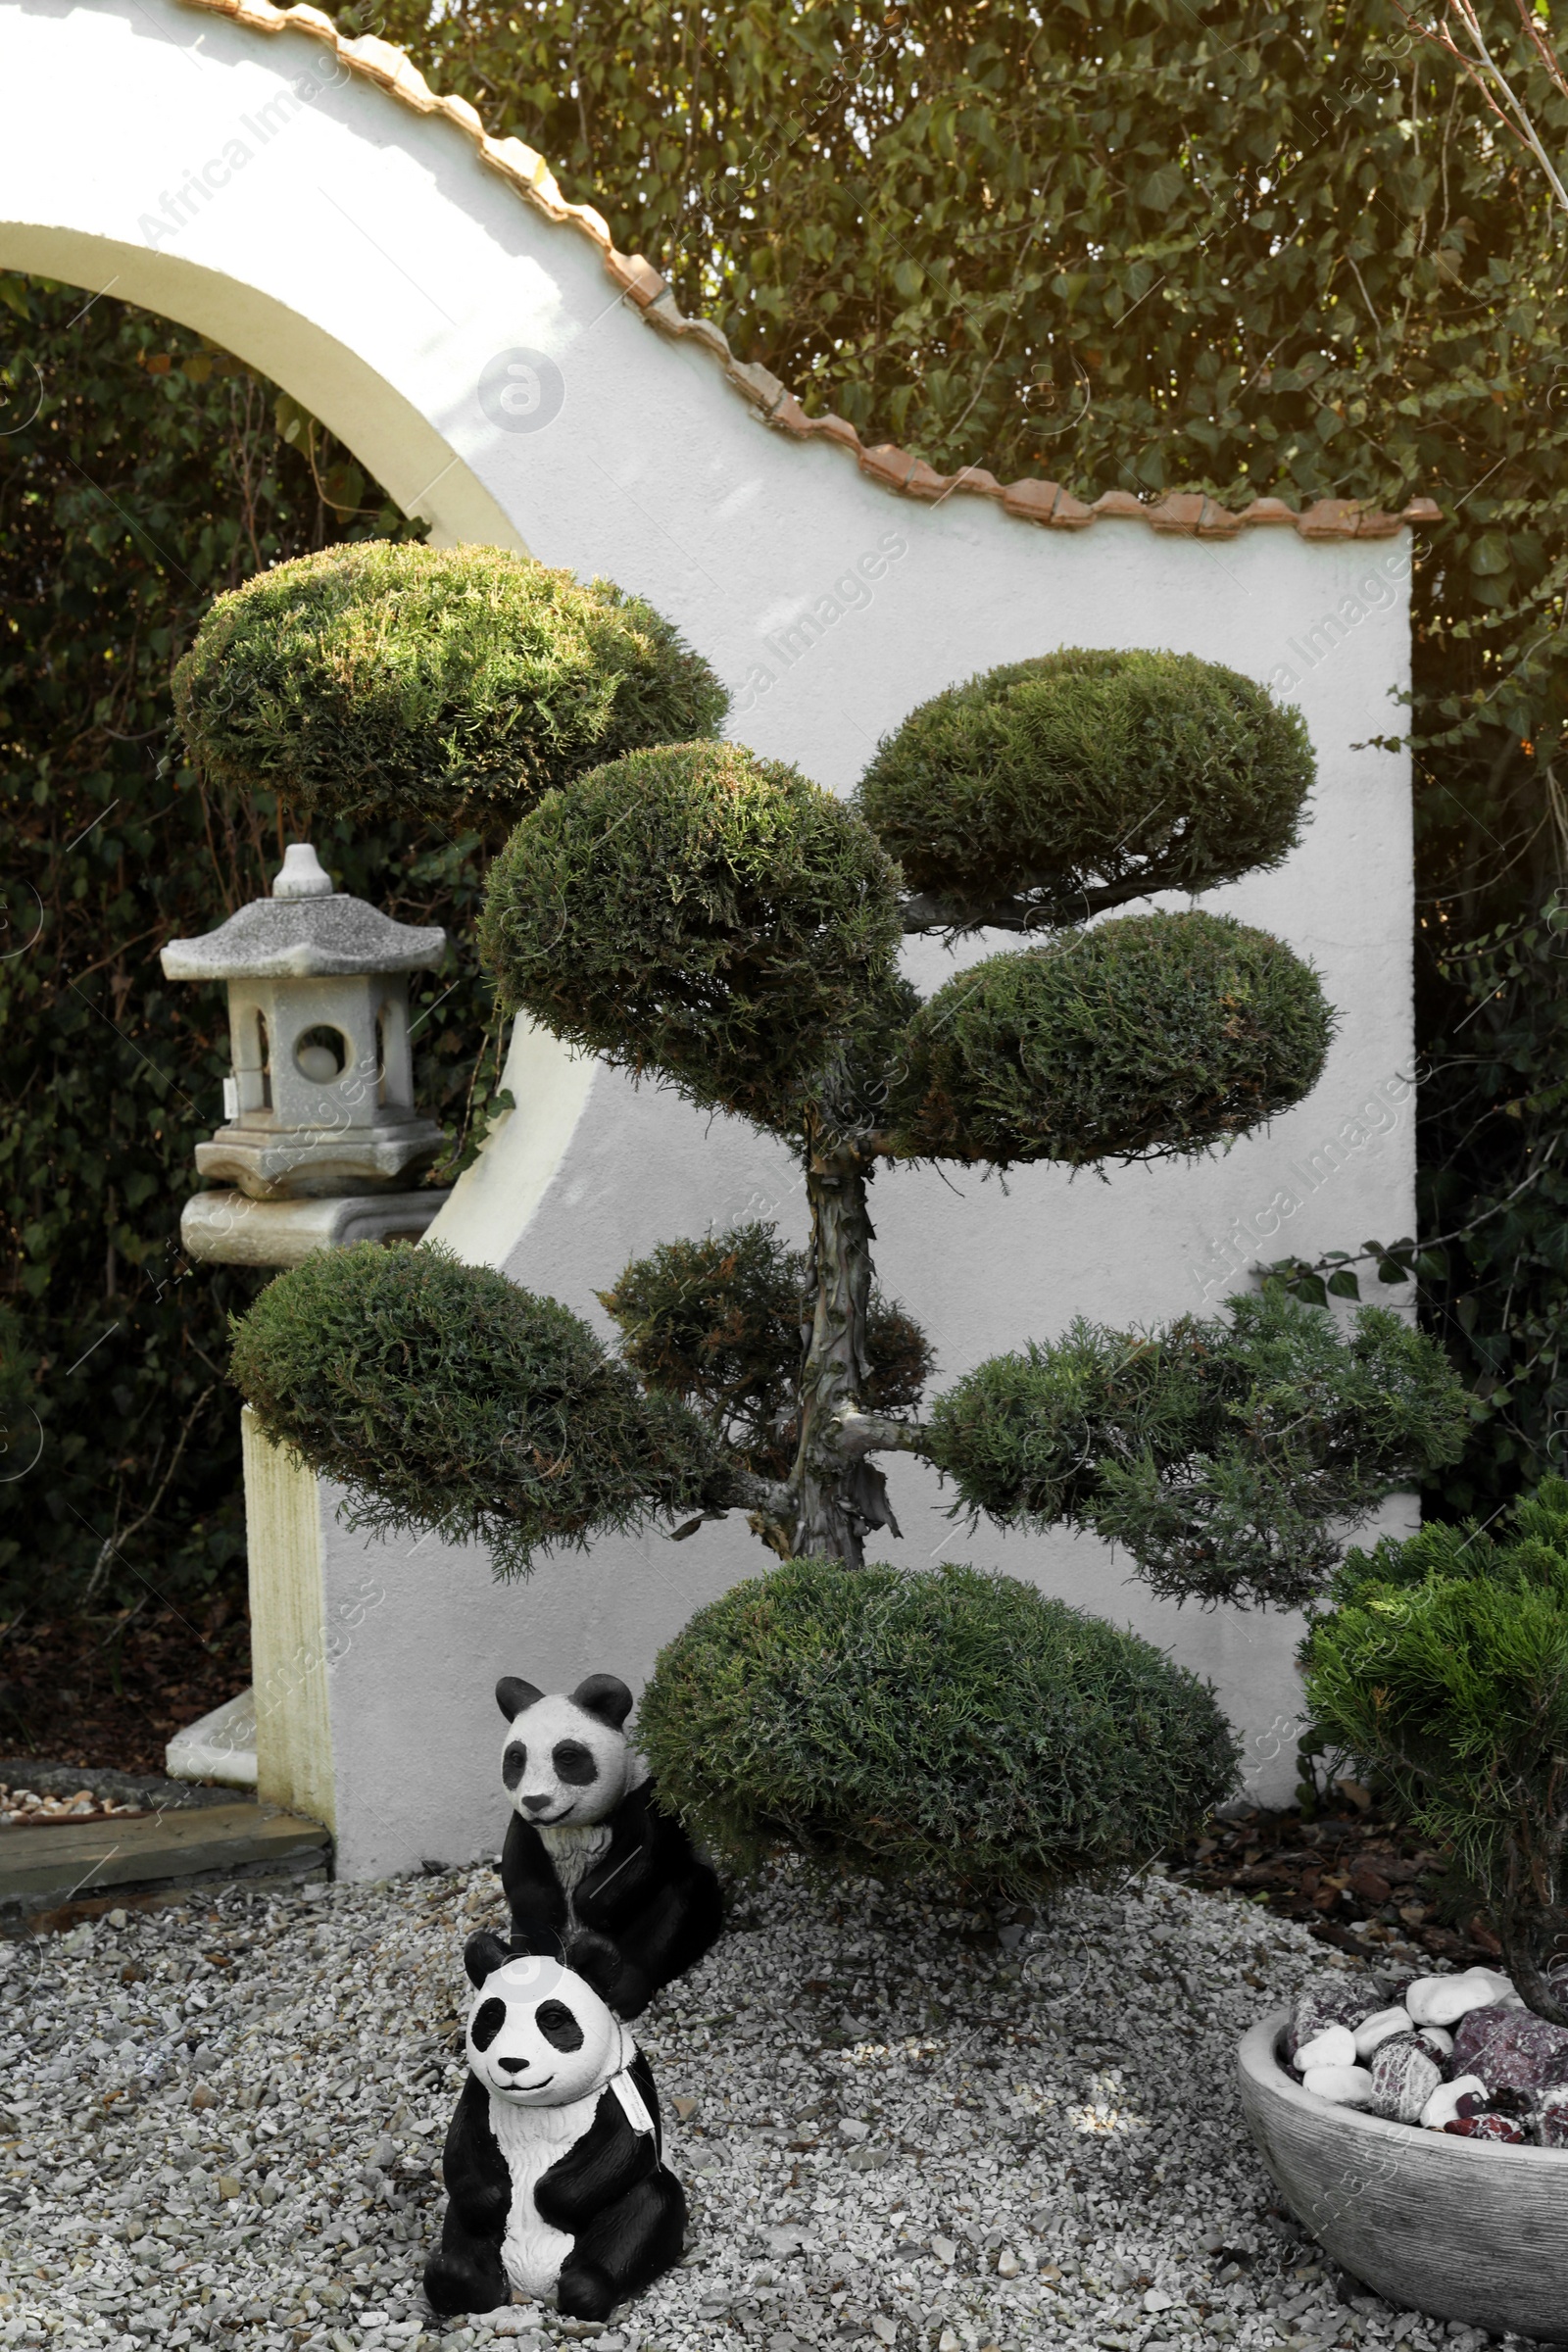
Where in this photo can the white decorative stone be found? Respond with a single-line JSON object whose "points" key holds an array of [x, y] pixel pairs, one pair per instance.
{"points": [[1335, 2045], [1378, 2027], [1443, 2000], [1443, 2105], [1342, 2086]]}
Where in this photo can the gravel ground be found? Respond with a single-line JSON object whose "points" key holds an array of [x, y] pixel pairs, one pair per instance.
{"points": [[897, 2127]]}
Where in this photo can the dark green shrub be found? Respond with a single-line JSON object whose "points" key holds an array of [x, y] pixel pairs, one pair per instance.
{"points": [[722, 1322], [701, 913], [1443, 1669], [1226, 1458], [1082, 780], [1154, 1035], [443, 1396], [417, 682], [948, 1727]]}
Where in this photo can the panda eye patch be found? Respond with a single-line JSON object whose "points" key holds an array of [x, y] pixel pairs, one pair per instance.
{"points": [[574, 1764], [559, 2027], [488, 2019], [513, 1764]]}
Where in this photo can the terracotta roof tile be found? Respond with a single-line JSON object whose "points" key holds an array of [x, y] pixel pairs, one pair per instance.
{"points": [[1186, 513]]}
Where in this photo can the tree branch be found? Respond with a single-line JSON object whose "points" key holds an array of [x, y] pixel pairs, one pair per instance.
{"points": [[860, 1433], [1483, 71], [925, 910]]}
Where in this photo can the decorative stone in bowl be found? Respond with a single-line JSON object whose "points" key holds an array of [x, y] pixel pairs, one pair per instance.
{"points": [[1463, 2228]]}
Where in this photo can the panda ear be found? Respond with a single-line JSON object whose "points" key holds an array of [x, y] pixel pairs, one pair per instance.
{"points": [[482, 1955], [513, 1694], [595, 1959], [604, 1695]]}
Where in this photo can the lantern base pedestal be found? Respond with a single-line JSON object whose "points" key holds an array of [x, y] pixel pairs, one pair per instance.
{"points": [[231, 1228]]}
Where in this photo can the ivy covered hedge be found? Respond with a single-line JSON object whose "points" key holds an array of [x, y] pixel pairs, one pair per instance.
{"points": [[949, 1726], [143, 472]]}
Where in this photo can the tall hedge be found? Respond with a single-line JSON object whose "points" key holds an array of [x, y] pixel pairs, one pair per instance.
{"points": [[143, 472]]}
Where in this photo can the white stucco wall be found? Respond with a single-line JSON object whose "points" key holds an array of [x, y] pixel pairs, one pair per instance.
{"points": [[365, 259]]}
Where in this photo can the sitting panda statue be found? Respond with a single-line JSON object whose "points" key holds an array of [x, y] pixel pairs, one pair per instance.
{"points": [[588, 1846], [554, 2162]]}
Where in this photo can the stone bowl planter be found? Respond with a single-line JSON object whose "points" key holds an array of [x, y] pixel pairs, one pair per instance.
{"points": [[1459, 2228]]}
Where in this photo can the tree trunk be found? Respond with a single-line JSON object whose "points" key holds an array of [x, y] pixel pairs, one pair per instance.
{"points": [[839, 1494]]}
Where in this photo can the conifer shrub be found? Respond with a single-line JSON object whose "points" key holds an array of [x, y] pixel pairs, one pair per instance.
{"points": [[420, 682], [949, 1726], [703, 914], [1150, 1037], [1226, 1458], [1441, 1667], [445, 1396], [1082, 778]]}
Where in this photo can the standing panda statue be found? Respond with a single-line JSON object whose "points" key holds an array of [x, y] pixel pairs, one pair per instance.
{"points": [[588, 1845], [554, 2162]]}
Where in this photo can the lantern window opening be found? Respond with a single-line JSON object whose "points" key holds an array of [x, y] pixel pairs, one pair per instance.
{"points": [[264, 1060], [322, 1054]]}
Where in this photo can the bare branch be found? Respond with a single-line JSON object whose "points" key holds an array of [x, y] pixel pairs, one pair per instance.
{"points": [[860, 1434], [1458, 33]]}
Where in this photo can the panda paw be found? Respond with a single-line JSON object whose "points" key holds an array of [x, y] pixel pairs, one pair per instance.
{"points": [[452, 2287], [585, 2291]]}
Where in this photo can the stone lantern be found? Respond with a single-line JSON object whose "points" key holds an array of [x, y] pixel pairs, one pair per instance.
{"points": [[321, 1143]]}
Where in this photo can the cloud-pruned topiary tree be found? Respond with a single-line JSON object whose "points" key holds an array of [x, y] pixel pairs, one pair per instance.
{"points": [[717, 923]]}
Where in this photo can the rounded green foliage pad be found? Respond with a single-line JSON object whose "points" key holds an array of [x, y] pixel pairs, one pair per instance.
{"points": [[1226, 1458], [417, 682], [948, 1726], [1083, 779], [1152, 1035], [702, 913], [444, 1397]]}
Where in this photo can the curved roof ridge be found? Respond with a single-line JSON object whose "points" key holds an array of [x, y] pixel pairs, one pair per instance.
{"points": [[1188, 514]]}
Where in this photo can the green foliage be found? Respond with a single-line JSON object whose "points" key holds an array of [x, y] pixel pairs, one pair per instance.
{"points": [[720, 1323], [702, 914], [1225, 1457], [1059, 786], [450, 686], [1142, 249], [1443, 1668], [949, 1726], [444, 1397], [1152, 1036], [140, 474]]}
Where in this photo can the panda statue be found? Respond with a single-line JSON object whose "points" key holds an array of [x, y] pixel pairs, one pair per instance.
{"points": [[554, 2162], [588, 1845]]}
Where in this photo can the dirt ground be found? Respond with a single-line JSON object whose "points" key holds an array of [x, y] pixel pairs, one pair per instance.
{"points": [[111, 1691]]}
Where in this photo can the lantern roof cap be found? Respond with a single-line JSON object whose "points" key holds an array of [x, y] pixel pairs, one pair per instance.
{"points": [[305, 931]]}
